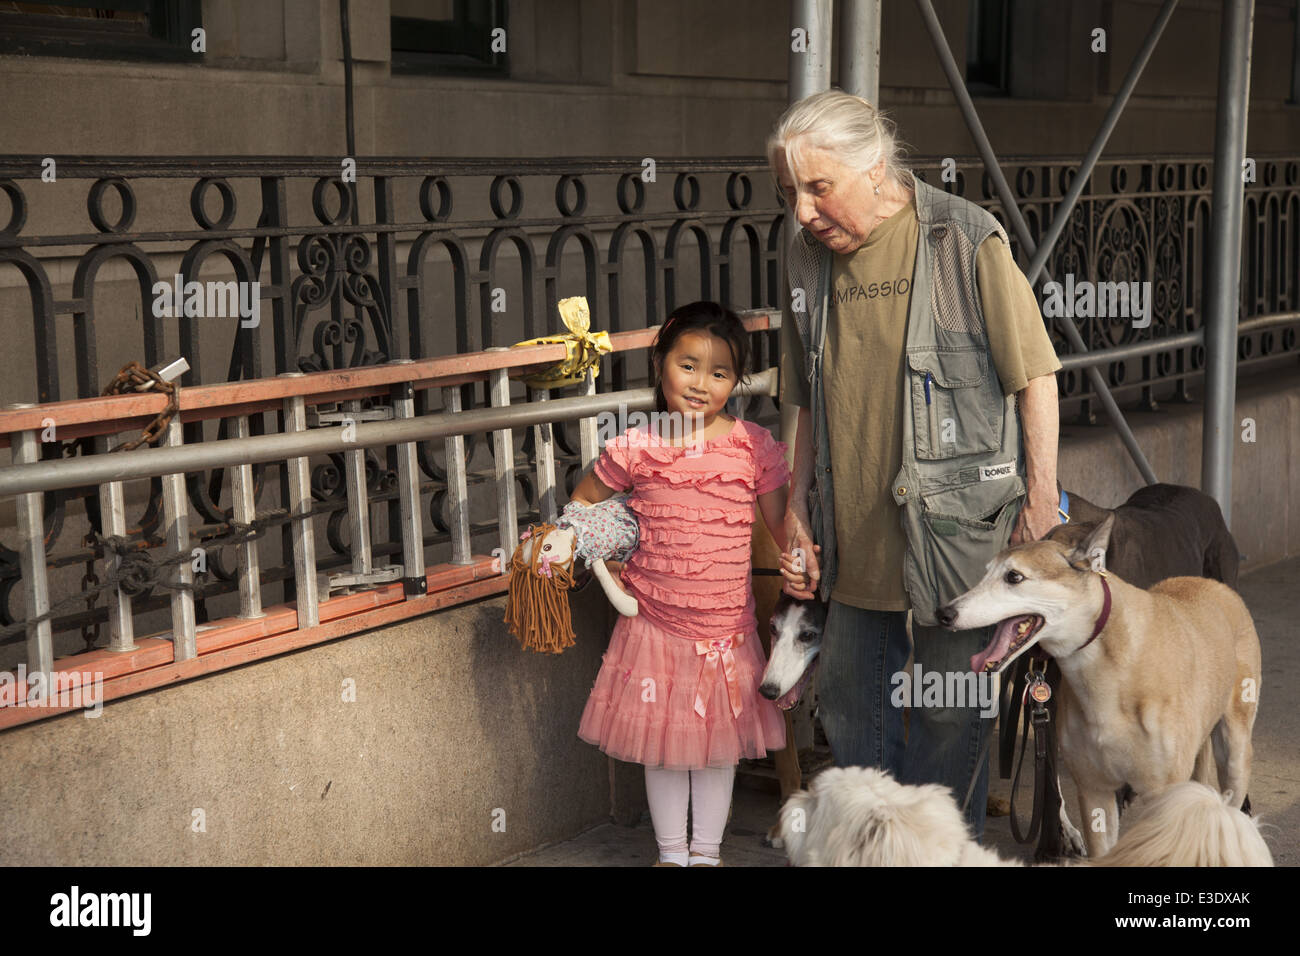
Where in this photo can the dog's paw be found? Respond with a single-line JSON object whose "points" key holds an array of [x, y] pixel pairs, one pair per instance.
{"points": [[773, 839], [1073, 839]]}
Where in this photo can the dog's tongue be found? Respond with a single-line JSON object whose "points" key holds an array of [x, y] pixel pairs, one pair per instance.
{"points": [[791, 697], [1000, 644]]}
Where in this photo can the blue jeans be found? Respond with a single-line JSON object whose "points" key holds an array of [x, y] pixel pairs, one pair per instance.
{"points": [[861, 652]]}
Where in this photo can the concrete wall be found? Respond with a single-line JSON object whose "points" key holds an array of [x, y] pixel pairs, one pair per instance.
{"points": [[634, 77], [453, 727], [451, 719]]}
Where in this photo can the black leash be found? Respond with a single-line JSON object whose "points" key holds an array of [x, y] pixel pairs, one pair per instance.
{"points": [[1039, 692], [1010, 717]]}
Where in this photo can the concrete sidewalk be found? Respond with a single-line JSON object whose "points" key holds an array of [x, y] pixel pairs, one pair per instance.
{"points": [[1273, 595]]}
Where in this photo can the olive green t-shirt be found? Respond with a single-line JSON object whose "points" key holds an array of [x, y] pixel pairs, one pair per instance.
{"points": [[866, 336]]}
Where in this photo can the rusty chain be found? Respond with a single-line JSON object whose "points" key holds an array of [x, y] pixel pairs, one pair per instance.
{"points": [[89, 580], [131, 377], [138, 570], [134, 377]]}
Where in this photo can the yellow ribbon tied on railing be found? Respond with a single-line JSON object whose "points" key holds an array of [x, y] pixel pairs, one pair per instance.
{"points": [[585, 347]]}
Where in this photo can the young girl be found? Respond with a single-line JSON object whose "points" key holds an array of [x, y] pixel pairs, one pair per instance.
{"points": [[678, 687]]}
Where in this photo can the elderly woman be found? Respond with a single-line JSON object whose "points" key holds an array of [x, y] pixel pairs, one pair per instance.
{"points": [[926, 440]]}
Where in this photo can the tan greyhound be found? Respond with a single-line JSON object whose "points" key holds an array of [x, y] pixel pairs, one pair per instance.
{"points": [[1156, 683]]}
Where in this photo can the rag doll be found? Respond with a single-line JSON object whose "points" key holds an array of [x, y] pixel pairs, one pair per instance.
{"points": [[542, 570]]}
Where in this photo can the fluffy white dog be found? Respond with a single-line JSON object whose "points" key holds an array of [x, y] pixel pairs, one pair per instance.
{"points": [[861, 816]]}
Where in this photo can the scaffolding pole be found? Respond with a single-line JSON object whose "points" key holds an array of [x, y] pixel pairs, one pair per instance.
{"points": [[810, 47], [810, 72], [1223, 279], [860, 49]]}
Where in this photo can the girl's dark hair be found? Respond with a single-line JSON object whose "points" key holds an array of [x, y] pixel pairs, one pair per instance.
{"points": [[709, 318]]}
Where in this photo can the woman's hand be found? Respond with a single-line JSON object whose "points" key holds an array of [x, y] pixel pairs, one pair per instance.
{"points": [[800, 566], [1036, 518]]}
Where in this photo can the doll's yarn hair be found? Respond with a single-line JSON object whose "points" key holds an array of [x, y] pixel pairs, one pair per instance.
{"points": [[537, 606]]}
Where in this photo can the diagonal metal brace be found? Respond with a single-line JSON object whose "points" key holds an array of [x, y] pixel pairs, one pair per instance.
{"points": [[926, 9]]}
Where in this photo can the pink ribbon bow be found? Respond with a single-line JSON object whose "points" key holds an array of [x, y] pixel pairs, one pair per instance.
{"points": [[545, 569], [715, 651]]}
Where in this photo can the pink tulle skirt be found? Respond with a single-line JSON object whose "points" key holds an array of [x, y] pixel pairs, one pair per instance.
{"points": [[642, 707]]}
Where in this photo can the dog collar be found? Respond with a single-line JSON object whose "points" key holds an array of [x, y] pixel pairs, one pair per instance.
{"points": [[1105, 612], [1064, 507]]}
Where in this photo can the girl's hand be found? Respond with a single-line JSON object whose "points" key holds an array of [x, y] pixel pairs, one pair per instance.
{"points": [[800, 566]]}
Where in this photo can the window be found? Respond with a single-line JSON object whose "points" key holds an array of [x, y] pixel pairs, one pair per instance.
{"points": [[449, 36], [988, 46], [109, 29]]}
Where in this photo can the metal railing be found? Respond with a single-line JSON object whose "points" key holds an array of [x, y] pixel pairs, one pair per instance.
{"points": [[375, 409], [406, 263]]}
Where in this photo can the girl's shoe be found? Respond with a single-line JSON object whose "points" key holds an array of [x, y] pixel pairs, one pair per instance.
{"points": [[665, 864], [709, 865]]}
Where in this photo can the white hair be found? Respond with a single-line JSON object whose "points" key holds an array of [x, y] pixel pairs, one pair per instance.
{"points": [[861, 816], [1189, 825], [858, 134]]}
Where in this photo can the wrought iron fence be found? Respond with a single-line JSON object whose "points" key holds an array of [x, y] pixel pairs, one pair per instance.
{"points": [[417, 259], [1149, 220]]}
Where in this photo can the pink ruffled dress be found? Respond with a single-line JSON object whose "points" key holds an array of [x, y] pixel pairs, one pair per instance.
{"points": [[678, 686]]}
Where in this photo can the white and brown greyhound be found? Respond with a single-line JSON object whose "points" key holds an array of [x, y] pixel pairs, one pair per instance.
{"points": [[1157, 683]]}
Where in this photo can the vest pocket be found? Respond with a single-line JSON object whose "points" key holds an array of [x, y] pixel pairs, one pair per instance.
{"points": [[953, 412], [948, 549]]}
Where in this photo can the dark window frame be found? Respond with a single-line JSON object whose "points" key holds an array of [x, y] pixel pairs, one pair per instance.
{"points": [[988, 48], [171, 24], [457, 47]]}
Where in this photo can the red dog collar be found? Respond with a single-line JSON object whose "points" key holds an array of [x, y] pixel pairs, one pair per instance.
{"points": [[1105, 612]]}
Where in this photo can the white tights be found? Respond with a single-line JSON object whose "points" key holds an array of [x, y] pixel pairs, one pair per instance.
{"points": [[707, 791]]}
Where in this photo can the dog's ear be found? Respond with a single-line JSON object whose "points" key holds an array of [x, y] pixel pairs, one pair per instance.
{"points": [[1070, 535], [1091, 552]]}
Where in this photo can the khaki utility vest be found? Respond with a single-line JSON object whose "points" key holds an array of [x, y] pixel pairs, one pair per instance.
{"points": [[962, 482]]}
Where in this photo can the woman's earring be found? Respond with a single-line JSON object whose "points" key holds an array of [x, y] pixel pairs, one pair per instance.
{"points": [[877, 190]]}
